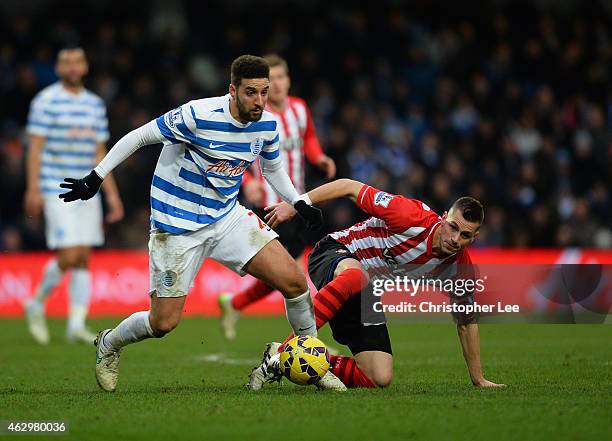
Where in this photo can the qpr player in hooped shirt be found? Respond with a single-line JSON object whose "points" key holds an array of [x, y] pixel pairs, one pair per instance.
{"points": [[195, 214]]}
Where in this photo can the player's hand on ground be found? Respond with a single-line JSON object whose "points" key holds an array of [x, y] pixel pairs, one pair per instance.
{"points": [[254, 192], [327, 166], [312, 215], [33, 203], [486, 383], [279, 213], [115, 209], [84, 188]]}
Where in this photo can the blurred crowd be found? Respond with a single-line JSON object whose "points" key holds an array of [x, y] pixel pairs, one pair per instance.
{"points": [[509, 104]]}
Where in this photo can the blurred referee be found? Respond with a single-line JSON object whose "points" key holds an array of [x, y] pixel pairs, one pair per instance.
{"points": [[68, 129]]}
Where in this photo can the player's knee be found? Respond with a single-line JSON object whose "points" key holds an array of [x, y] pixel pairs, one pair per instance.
{"points": [[296, 283], [68, 260], [382, 378], [163, 326], [297, 286], [82, 261], [357, 277]]}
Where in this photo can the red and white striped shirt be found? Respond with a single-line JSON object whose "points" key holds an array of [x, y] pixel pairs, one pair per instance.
{"points": [[400, 232], [298, 138]]}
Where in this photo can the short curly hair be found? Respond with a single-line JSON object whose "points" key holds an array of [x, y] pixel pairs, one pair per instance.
{"points": [[248, 66]]}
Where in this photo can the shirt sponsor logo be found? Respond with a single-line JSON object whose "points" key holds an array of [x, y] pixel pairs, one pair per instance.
{"points": [[382, 199], [257, 145], [226, 169]]}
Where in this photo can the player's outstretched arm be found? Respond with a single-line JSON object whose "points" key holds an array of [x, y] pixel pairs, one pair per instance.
{"points": [[87, 187], [340, 188], [282, 212], [274, 173], [470, 345]]}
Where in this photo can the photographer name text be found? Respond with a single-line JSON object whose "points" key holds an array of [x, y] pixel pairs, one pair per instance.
{"points": [[429, 307]]}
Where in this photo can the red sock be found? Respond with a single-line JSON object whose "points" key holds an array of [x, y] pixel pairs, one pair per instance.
{"points": [[250, 295], [332, 296], [346, 369]]}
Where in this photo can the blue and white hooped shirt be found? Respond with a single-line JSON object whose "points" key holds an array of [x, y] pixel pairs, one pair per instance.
{"points": [[200, 168], [73, 125]]}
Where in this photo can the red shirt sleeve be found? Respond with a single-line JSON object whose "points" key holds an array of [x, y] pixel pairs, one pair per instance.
{"points": [[398, 212], [312, 146]]}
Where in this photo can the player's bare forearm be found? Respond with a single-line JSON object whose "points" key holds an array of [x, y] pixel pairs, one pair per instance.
{"points": [[33, 200], [339, 188], [111, 191], [109, 185], [33, 161], [469, 337], [470, 345]]}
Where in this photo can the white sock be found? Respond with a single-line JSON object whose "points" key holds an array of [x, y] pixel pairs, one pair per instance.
{"points": [[52, 276], [134, 328], [80, 291], [300, 313]]}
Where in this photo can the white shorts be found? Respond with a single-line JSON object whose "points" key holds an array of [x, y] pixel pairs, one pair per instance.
{"points": [[69, 224], [175, 259]]}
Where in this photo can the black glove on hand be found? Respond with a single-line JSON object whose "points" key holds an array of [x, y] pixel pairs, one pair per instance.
{"points": [[312, 215], [84, 188]]}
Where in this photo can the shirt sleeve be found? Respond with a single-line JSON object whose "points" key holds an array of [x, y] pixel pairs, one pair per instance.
{"points": [[102, 134], [271, 148], [40, 118], [144, 135], [178, 125], [398, 212], [312, 146]]}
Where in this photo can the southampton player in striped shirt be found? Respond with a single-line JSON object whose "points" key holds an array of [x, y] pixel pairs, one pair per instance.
{"points": [[298, 139], [195, 214], [68, 130], [401, 231]]}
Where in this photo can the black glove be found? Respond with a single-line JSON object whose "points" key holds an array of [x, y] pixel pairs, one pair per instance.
{"points": [[84, 188], [312, 215]]}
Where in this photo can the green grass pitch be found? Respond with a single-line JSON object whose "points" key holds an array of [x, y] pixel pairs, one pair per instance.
{"points": [[189, 385]]}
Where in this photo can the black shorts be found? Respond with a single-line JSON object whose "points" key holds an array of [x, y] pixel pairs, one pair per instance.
{"points": [[290, 233], [347, 327]]}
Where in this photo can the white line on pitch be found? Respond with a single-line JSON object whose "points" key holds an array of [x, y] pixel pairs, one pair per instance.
{"points": [[223, 358]]}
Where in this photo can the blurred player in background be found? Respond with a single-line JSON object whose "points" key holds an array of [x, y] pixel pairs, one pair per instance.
{"points": [[298, 139], [400, 232], [195, 214], [68, 130]]}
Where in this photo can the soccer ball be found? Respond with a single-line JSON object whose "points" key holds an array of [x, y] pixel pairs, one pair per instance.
{"points": [[304, 360]]}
